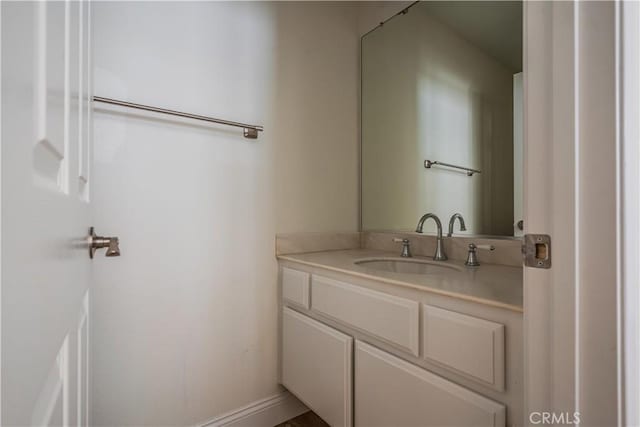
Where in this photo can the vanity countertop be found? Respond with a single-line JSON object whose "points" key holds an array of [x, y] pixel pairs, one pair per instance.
{"points": [[490, 284]]}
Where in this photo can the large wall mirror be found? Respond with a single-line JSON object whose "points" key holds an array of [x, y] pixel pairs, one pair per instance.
{"points": [[442, 117]]}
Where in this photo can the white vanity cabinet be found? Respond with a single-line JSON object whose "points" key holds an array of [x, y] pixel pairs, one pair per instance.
{"points": [[392, 392], [365, 354]]}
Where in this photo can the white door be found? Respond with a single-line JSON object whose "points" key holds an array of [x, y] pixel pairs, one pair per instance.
{"points": [[572, 191], [45, 212]]}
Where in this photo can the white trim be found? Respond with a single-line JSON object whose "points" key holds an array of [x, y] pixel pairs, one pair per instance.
{"points": [[629, 134], [619, 212], [1, 145], [266, 412], [541, 46], [598, 252]]}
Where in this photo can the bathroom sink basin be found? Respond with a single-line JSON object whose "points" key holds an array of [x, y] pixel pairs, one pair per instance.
{"points": [[407, 266]]}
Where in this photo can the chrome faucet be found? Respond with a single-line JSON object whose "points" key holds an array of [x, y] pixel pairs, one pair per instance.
{"points": [[439, 255], [452, 222]]}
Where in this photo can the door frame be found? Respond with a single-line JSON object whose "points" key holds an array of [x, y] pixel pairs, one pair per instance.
{"points": [[629, 132], [581, 186]]}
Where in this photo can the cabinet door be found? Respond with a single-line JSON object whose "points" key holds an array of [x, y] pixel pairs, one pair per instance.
{"points": [[392, 392], [317, 366]]}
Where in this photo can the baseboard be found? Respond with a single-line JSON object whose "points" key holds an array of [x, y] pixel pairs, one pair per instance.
{"points": [[267, 412]]}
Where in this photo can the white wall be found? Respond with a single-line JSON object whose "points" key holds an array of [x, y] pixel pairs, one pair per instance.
{"points": [[428, 93], [185, 321]]}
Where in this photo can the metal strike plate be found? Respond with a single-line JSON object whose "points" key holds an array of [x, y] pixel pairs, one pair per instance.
{"points": [[536, 250]]}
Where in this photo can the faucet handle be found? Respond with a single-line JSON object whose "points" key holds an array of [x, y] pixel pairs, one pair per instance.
{"points": [[484, 247], [398, 240], [472, 256], [406, 247]]}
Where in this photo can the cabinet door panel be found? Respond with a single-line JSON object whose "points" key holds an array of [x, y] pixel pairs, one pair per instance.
{"points": [[392, 392], [389, 318], [295, 287], [317, 367], [471, 346]]}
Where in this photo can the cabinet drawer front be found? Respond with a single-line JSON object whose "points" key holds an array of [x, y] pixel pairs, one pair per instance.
{"points": [[471, 346], [295, 287], [392, 319], [392, 392], [317, 366]]}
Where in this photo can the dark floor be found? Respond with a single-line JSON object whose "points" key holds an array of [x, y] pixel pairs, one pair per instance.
{"points": [[308, 419]]}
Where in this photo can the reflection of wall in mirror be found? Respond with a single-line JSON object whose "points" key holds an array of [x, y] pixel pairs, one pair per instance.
{"points": [[428, 93]]}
